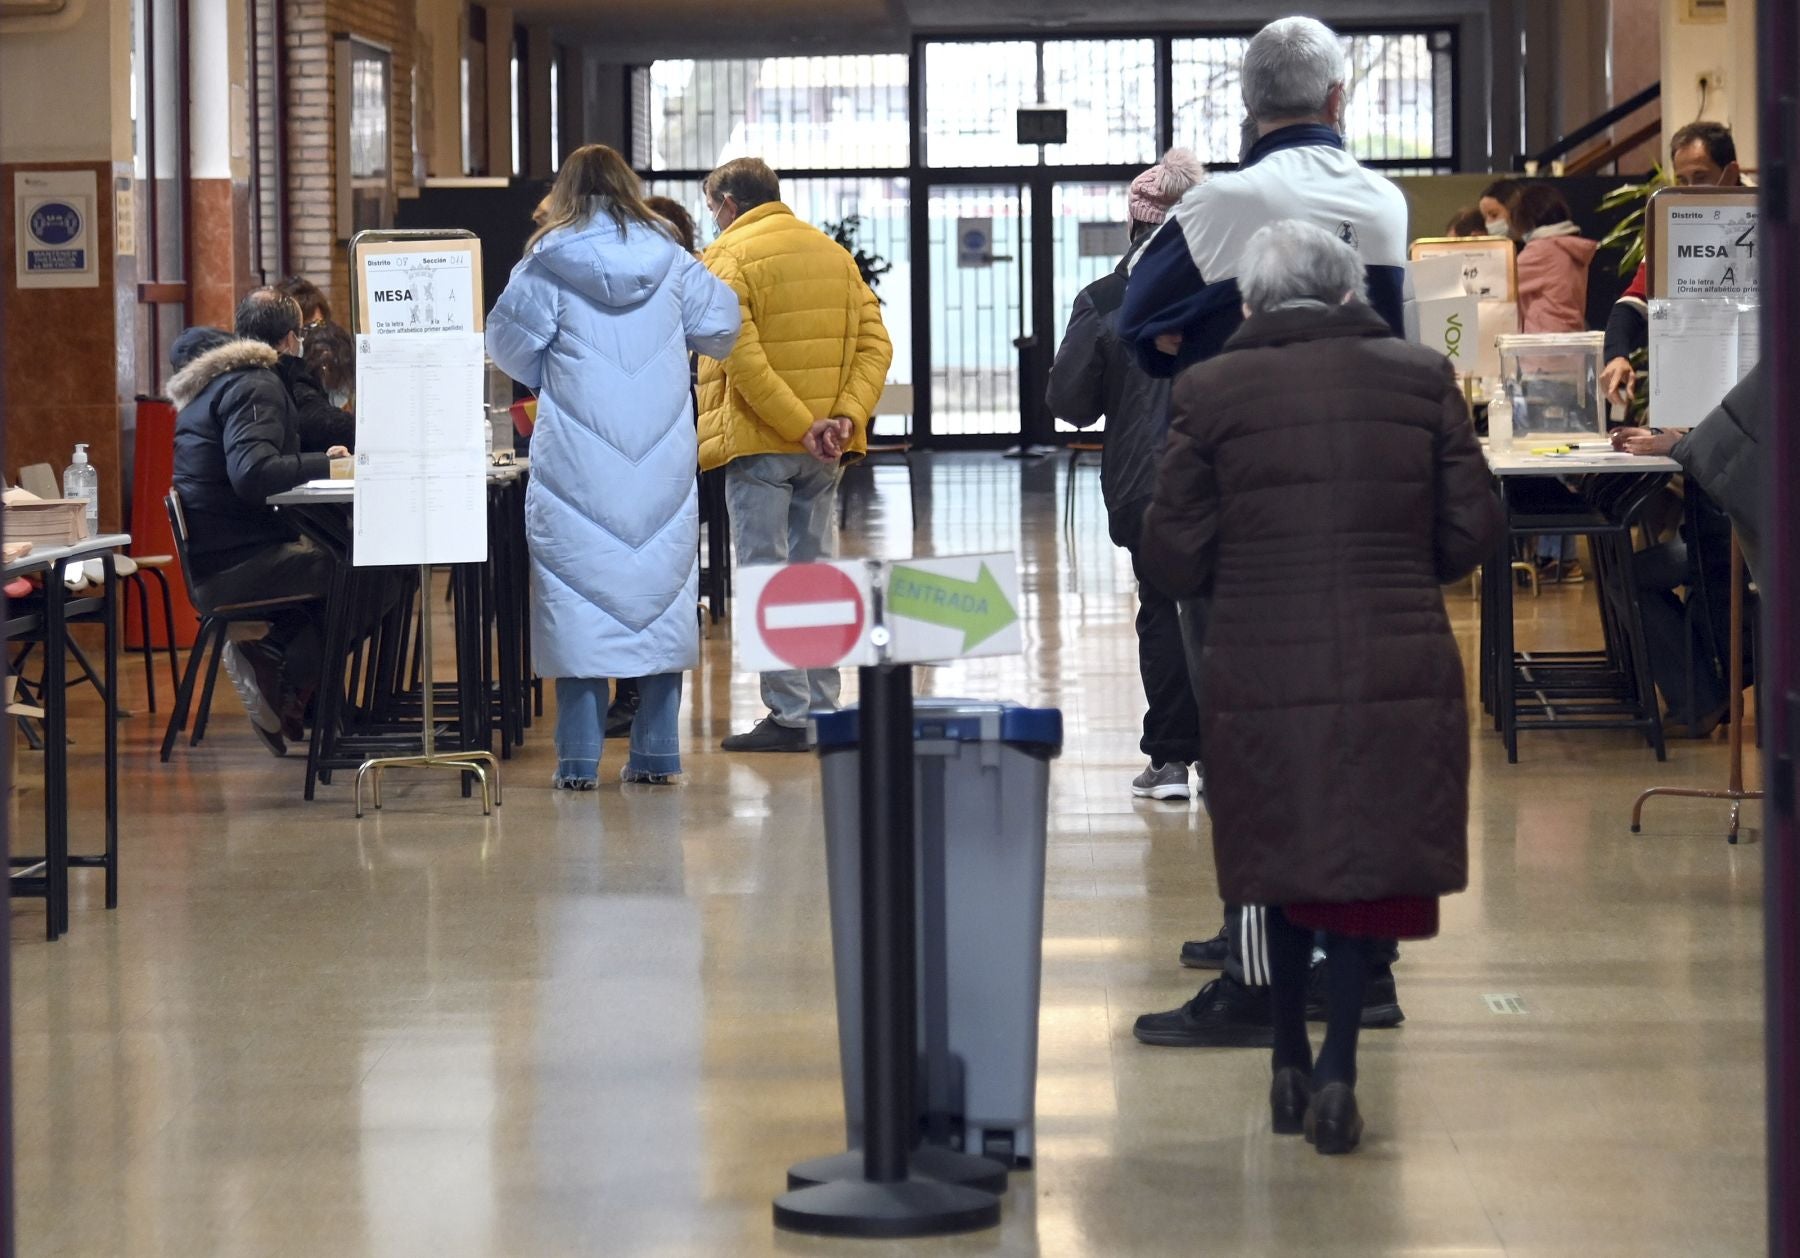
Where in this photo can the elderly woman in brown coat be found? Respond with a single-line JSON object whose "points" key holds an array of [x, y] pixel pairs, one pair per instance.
{"points": [[1321, 483]]}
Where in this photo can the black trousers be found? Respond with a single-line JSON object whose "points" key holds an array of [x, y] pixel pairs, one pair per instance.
{"points": [[1172, 719], [300, 568], [1681, 657]]}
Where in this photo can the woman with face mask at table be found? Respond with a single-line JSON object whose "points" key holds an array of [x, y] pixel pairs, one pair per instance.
{"points": [[598, 318], [1496, 205]]}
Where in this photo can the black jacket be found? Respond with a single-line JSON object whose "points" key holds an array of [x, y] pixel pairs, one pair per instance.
{"points": [[1095, 374], [236, 443], [321, 424], [1724, 454]]}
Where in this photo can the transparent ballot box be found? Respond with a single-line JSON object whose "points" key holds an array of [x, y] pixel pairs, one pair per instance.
{"points": [[1553, 383]]}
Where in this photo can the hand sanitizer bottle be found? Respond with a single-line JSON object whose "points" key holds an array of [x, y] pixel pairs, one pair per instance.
{"points": [[1500, 433], [81, 479]]}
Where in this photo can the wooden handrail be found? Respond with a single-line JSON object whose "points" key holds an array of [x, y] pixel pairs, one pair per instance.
{"points": [[1607, 154]]}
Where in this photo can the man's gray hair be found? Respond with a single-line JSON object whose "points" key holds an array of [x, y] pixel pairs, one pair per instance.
{"points": [[1292, 263], [1290, 68]]}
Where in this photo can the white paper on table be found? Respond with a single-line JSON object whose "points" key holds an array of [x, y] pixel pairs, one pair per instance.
{"points": [[1693, 358], [420, 489]]}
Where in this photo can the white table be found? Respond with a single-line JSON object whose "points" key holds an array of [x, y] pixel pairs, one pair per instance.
{"points": [[53, 561], [1577, 690]]}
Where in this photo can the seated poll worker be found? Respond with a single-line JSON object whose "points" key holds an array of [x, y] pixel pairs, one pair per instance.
{"points": [[237, 442], [1689, 637], [1182, 303]]}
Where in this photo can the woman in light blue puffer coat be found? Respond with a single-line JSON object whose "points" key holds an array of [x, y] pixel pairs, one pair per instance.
{"points": [[599, 318]]}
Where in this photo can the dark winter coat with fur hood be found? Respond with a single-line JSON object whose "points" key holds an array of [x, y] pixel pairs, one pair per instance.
{"points": [[237, 441]]}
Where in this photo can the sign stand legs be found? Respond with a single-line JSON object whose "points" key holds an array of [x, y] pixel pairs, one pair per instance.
{"points": [[886, 1191], [481, 763], [1734, 791]]}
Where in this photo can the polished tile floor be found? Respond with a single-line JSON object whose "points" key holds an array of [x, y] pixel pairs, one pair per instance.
{"points": [[603, 1024]]}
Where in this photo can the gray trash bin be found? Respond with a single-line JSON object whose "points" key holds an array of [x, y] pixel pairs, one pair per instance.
{"points": [[982, 784]]}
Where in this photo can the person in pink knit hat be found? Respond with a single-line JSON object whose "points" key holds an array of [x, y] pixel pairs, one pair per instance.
{"points": [[1096, 374]]}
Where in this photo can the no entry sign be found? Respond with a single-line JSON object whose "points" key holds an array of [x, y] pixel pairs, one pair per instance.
{"points": [[808, 615]]}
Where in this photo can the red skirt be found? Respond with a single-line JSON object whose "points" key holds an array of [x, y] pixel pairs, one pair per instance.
{"points": [[1397, 917]]}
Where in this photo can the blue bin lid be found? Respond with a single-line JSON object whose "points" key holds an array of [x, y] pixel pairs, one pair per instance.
{"points": [[956, 720]]}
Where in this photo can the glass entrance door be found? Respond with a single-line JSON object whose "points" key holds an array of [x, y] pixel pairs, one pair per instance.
{"points": [[1090, 234], [978, 253]]}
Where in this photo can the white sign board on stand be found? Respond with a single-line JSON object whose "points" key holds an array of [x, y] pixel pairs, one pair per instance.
{"points": [[420, 491], [421, 475]]}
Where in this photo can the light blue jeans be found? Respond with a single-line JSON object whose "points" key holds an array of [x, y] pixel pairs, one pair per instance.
{"points": [[581, 726], [784, 510]]}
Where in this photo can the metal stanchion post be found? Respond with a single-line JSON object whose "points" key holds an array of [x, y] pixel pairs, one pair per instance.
{"points": [[883, 1191]]}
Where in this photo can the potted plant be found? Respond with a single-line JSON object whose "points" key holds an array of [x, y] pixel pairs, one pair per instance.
{"points": [[871, 266]]}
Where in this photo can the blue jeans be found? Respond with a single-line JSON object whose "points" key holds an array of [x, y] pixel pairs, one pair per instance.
{"points": [[581, 726], [784, 510]]}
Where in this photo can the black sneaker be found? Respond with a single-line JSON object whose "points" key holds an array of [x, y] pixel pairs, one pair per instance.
{"points": [[1225, 1014], [1381, 1003], [768, 735], [1206, 954], [269, 738]]}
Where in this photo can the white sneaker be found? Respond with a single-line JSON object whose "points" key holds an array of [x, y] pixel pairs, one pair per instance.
{"points": [[1161, 781]]}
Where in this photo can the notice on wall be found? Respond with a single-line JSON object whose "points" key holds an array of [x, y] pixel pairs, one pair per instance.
{"points": [[1102, 240], [421, 463], [56, 245], [410, 288], [974, 242], [1710, 251]]}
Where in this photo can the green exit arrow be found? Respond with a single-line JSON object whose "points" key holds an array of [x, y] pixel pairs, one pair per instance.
{"points": [[978, 608]]}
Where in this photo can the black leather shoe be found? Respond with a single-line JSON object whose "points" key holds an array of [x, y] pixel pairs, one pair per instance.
{"points": [[1333, 1123], [1289, 1097], [1225, 1014], [768, 735], [1206, 954], [1381, 1002]]}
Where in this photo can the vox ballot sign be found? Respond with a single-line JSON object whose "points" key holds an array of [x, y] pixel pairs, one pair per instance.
{"points": [[806, 615], [953, 608]]}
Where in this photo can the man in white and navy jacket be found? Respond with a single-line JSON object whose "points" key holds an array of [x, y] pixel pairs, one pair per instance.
{"points": [[1181, 306], [1183, 289]]}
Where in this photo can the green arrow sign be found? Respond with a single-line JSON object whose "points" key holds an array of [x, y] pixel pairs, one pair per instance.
{"points": [[978, 609]]}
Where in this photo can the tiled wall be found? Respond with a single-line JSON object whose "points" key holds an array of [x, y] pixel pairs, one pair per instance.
{"points": [[66, 364], [314, 247]]}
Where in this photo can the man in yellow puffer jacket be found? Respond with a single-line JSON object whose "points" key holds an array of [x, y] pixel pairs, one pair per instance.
{"points": [[791, 400]]}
